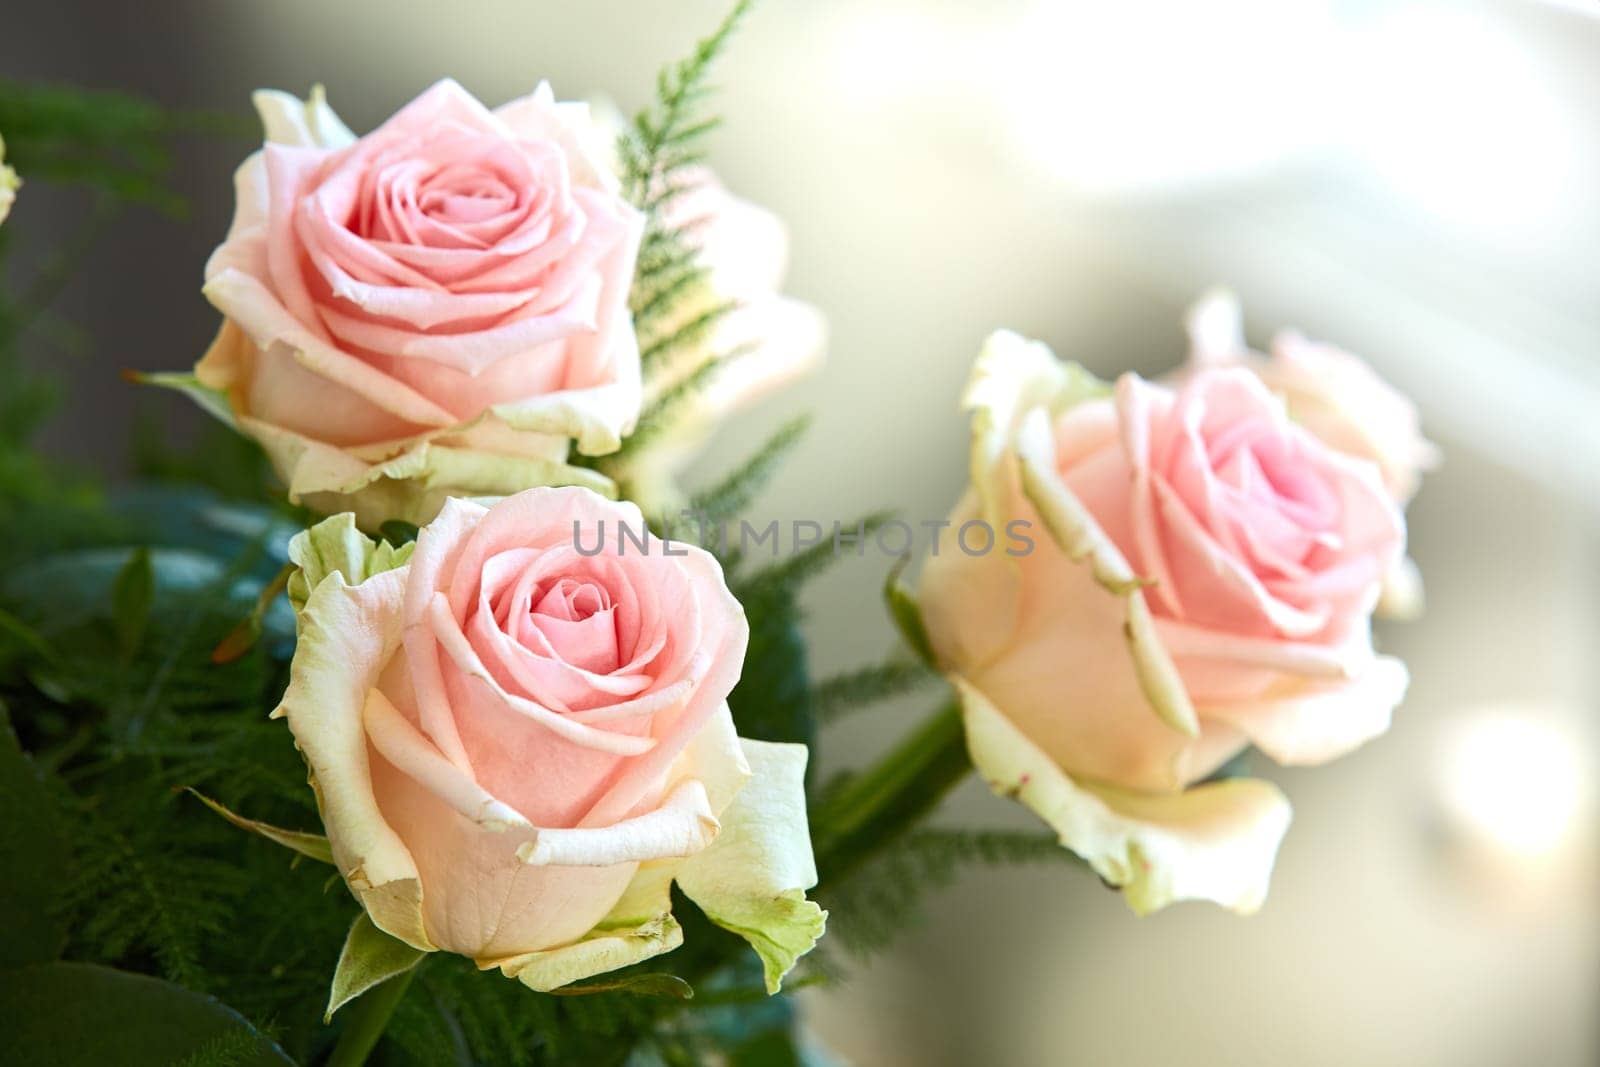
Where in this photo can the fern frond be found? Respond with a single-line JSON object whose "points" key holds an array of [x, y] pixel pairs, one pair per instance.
{"points": [[661, 414], [785, 577], [657, 154], [881, 900], [655, 353], [733, 494], [653, 151], [835, 697]]}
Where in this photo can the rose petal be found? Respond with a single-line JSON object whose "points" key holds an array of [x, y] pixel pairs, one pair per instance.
{"points": [[1212, 842], [681, 826]]}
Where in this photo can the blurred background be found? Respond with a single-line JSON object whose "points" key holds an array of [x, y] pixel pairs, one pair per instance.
{"points": [[1412, 180]]}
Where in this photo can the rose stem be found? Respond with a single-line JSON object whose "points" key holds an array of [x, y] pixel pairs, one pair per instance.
{"points": [[367, 1018], [878, 805]]}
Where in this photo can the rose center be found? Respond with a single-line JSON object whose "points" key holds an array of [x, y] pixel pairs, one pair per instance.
{"points": [[578, 619], [463, 195]]}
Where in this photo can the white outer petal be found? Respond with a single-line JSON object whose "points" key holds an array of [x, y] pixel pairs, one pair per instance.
{"points": [[1315, 720], [752, 880], [1212, 842], [347, 634], [286, 119], [681, 826], [603, 950]]}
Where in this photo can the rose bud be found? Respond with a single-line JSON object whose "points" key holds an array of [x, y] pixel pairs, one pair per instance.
{"points": [[518, 744], [1207, 584]]}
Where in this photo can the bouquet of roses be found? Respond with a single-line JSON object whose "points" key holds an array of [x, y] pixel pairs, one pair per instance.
{"points": [[430, 666]]}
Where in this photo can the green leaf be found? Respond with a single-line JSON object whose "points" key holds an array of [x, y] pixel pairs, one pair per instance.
{"points": [[906, 613], [85, 1015], [131, 594], [20, 633], [307, 844], [649, 984], [33, 856], [370, 957], [398, 533]]}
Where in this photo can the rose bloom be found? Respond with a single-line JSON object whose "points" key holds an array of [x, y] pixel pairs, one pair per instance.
{"points": [[518, 747], [1338, 397], [434, 309], [1207, 584]]}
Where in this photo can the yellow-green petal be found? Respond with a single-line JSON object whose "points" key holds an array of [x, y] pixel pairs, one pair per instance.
{"points": [[752, 879]]}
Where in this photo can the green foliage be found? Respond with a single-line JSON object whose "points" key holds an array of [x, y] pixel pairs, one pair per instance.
{"points": [[772, 701], [32, 853], [662, 413], [237, 1047], [455, 1014], [729, 497], [119, 149], [82, 1015], [885, 896], [112, 611], [785, 577], [906, 613], [131, 592], [116, 144], [221, 460], [673, 311], [835, 697]]}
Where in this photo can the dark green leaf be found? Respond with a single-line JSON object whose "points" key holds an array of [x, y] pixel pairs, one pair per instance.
{"points": [[131, 594], [32, 855], [85, 1015]]}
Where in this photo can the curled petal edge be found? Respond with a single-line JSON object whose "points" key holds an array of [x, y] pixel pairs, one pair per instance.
{"points": [[346, 633], [753, 878], [1215, 842], [1078, 535]]}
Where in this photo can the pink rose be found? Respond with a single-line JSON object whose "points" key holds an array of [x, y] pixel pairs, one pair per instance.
{"points": [[1207, 583], [1336, 396], [519, 743], [433, 309]]}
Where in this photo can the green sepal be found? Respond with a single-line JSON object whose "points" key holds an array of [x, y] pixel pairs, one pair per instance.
{"points": [[213, 401], [906, 613], [370, 957], [307, 844]]}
